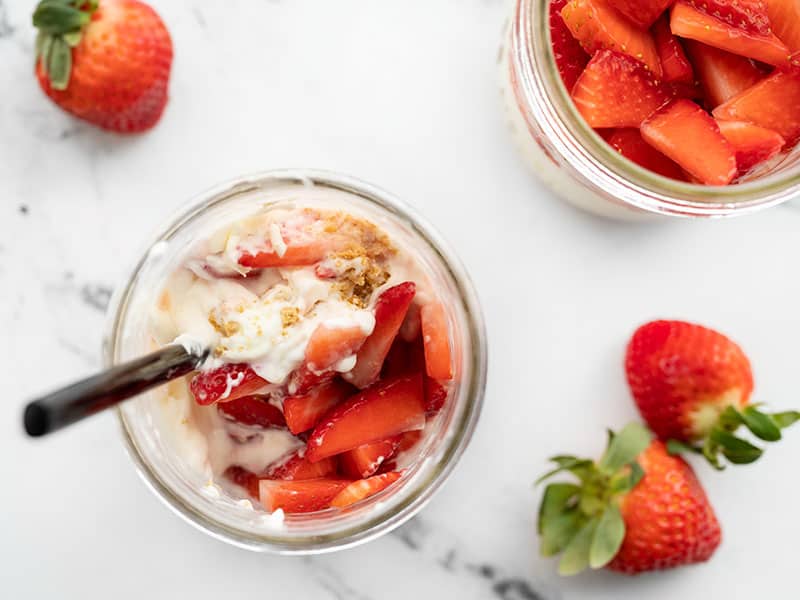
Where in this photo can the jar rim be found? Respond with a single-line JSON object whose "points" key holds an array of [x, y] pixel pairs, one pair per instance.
{"points": [[543, 99], [453, 445]]}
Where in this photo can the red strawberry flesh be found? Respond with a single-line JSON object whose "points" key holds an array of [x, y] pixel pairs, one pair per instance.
{"points": [[377, 413], [685, 133], [225, 383], [616, 90], [254, 411]]}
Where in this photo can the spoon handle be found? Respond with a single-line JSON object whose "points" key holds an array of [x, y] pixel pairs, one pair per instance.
{"points": [[89, 396]]}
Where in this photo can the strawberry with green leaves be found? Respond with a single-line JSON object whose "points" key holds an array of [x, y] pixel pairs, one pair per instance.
{"points": [[105, 61], [636, 509], [692, 386]]}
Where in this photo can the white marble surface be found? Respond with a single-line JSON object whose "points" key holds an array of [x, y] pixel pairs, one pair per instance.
{"points": [[402, 94]]}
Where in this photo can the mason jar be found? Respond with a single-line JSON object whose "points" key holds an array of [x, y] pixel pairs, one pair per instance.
{"points": [[209, 507], [581, 168]]}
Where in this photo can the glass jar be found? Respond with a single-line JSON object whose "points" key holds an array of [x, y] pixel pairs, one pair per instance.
{"points": [[203, 503], [581, 168]]}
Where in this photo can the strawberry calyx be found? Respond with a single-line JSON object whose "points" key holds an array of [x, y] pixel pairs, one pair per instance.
{"points": [[721, 440], [583, 520], [60, 24]]}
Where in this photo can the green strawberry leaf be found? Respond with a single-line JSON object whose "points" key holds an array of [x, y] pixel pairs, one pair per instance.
{"points": [[710, 451], [44, 51], [626, 479], [760, 424], [555, 501], [625, 447], [736, 450], [577, 466], [676, 447], [73, 38], [607, 538], [576, 555], [59, 64], [559, 531], [55, 17], [729, 419], [786, 419]]}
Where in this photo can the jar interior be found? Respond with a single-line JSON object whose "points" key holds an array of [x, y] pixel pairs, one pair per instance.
{"points": [[594, 160], [177, 477]]}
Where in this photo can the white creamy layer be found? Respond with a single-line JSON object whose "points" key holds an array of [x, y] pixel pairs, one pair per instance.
{"points": [[249, 310]]}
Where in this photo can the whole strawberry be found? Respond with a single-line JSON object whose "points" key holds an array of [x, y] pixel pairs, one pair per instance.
{"points": [[636, 509], [692, 386], [105, 61]]}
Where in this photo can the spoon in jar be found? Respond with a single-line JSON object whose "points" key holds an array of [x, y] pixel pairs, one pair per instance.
{"points": [[70, 404]]}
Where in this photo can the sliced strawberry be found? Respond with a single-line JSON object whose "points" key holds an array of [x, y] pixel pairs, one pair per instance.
{"points": [[299, 496], [641, 12], [226, 383], [749, 15], [436, 339], [303, 412], [377, 413], [303, 380], [328, 345], [784, 15], [722, 75], [630, 144], [688, 22], [688, 135], [674, 64], [772, 103], [296, 468], [366, 460], [407, 441], [359, 490], [570, 56], [435, 396], [243, 478], [411, 327], [255, 411], [408, 358], [308, 253], [390, 311], [597, 26], [616, 90], [752, 144]]}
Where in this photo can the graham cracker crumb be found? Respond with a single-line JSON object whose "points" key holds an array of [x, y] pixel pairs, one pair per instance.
{"points": [[289, 316]]}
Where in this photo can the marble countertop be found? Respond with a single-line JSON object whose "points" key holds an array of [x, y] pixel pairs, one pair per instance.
{"points": [[403, 94]]}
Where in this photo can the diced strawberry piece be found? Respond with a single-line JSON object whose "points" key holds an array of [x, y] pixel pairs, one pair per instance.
{"points": [[299, 496], [688, 22], [411, 327], [641, 12], [597, 26], [408, 358], [359, 490], [752, 144], [772, 103], [377, 413], [243, 478], [303, 380], [297, 467], [255, 411], [570, 56], [749, 15], [616, 90], [366, 460], [303, 412], [784, 16], [436, 340], [435, 396], [329, 345], [390, 311], [688, 135], [630, 144], [226, 383], [674, 64], [722, 74], [305, 254]]}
